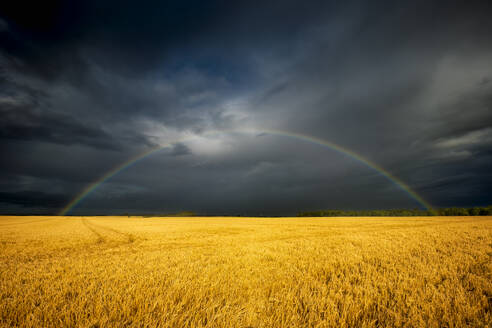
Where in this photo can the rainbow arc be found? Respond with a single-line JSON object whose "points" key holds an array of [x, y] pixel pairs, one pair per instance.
{"points": [[309, 139]]}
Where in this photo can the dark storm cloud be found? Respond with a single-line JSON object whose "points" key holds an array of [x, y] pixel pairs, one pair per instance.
{"points": [[180, 149], [86, 85], [23, 123], [27, 114], [34, 199]]}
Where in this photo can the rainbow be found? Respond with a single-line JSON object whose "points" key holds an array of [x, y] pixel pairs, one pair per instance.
{"points": [[324, 143]]}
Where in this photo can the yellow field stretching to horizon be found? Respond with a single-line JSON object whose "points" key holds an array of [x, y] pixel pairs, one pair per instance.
{"points": [[245, 272]]}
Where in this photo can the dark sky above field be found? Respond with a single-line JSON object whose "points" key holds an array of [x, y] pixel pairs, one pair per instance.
{"points": [[87, 85]]}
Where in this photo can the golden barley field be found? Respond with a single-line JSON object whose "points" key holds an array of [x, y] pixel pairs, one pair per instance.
{"points": [[245, 272]]}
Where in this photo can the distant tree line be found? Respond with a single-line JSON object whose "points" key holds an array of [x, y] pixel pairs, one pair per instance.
{"points": [[450, 211]]}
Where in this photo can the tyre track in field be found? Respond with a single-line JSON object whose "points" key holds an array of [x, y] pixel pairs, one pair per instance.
{"points": [[100, 237], [107, 234], [106, 239]]}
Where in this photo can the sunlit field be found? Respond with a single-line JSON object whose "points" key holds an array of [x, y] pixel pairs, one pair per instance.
{"points": [[245, 272]]}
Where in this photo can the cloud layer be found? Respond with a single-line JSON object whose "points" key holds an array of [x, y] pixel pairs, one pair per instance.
{"points": [[86, 86]]}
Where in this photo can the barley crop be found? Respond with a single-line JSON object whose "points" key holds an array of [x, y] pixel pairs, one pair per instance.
{"points": [[245, 272]]}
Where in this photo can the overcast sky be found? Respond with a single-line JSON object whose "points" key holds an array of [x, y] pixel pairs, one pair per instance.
{"points": [[87, 85]]}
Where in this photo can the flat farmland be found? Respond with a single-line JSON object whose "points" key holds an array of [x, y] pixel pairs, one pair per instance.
{"points": [[245, 272]]}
